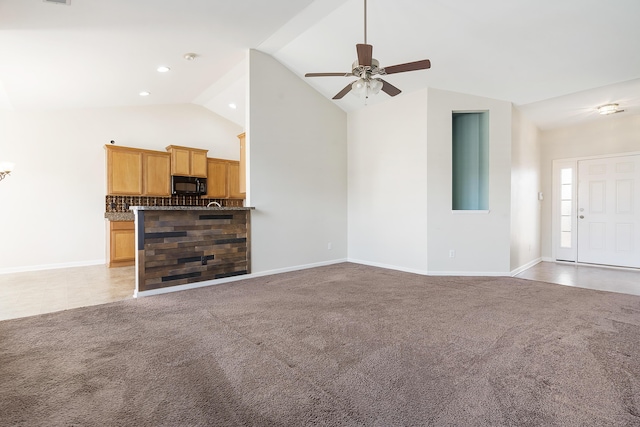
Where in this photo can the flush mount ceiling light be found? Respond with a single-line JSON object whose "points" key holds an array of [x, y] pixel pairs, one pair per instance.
{"points": [[609, 109], [233, 106], [190, 56], [144, 93], [163, 69]]}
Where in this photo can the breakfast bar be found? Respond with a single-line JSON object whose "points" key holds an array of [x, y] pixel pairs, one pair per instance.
{"points": [[181, 245]]}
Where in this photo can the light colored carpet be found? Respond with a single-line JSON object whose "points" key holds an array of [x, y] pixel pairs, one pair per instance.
{"points": [[343, 345]]}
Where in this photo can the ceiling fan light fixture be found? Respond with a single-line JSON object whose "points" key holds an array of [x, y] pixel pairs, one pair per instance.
{"points": [[366, 87], [365, 67], [375, 85], [359, 87], [609, 109]]}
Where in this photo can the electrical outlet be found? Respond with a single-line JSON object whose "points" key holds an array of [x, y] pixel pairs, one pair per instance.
{"points": [[329, 246], [452, 253]]}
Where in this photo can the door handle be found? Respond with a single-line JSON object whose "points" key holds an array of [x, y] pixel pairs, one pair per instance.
{"points": [[581, 216]]}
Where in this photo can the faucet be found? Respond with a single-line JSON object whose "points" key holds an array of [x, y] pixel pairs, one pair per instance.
{"points": [[214, 204]]}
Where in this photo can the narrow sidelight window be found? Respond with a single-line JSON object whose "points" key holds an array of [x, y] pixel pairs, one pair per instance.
{"points": [[566, 211], [470, 160]]}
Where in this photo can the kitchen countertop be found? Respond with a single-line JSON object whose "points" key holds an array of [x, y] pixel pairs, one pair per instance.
{"points": [[120, 216], [189, 208], [130, 216]]}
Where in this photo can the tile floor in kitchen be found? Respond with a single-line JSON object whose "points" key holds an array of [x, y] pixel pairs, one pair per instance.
{"points": [[38, 292]]}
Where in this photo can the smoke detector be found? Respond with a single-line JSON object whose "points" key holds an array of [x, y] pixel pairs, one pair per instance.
{"points": [[190, 56], [67, 2]]}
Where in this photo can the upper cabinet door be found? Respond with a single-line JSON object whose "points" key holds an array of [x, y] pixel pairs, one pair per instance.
{"points": [[198, 163], [157, 173], [187, 161], [180, 161], [234, 181], [217, 187], [124, 171]]}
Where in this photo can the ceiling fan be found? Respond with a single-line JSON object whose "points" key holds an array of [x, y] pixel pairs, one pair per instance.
{"points": [[366, 67]]}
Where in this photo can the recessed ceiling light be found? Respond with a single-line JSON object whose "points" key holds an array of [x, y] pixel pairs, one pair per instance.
{"points": [[145, 93], [190, 56], [163, 69], [233, 106], [609, 109]]}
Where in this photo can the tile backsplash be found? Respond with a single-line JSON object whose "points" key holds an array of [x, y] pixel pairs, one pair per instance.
{"points": [[122, 203]]}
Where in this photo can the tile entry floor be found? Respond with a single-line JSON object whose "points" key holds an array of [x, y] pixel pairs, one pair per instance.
{"points": [[38, 292], [626, 281]]}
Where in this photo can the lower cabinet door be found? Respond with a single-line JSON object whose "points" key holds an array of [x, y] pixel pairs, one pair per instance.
{"points": [[122, 243]]}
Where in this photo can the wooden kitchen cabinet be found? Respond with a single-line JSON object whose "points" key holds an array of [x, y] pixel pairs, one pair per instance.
{"points": [[217, 183], [199, 163], [124, 171], [137, 172], [156, 167], [187, 161], [223, 179], [121, 244], [234, 178]]}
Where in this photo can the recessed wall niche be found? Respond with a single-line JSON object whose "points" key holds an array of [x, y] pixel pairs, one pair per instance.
{"points": [[470, 160]]}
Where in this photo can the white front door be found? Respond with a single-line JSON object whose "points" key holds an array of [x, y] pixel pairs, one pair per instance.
{"points": [[609, 211]]}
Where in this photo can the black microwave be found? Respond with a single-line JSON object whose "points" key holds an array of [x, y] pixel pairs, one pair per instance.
{"points": [[188, 185]]}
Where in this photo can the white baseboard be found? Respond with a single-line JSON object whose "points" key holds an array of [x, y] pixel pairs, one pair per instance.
{"points": [[234, 278], [548, 259], [430, 273], [52, 266], [470, 273], [525, 267], [388, 266]]}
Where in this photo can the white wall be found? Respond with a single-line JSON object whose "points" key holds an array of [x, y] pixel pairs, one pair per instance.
{"points": [[388, 183], [400, 187], [619, 133], [481, 241], [525, 186], [52, 207], [297, 143]]}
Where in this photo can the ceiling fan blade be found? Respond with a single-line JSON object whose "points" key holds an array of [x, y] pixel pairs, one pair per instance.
{"points": [[344, 91], [328, 74], [389, 89], [365, 54], [409, 66]]}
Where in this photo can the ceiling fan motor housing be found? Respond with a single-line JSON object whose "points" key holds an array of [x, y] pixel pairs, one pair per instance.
{"points": [[364, 72]]}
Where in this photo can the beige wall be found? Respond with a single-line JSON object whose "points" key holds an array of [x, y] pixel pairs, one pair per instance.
{"points": [[525, 186], [619, 133], [52, 206], [400, 213], [388, 183], [297, 142], [481, 241]]}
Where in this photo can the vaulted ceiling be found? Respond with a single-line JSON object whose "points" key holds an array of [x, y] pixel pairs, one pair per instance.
{"points": [[555, 60]]}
